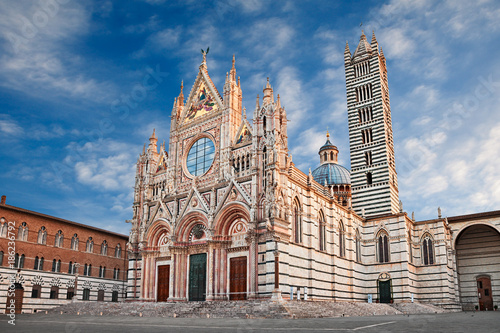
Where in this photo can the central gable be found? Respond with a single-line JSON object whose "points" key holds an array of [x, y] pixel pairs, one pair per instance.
{"points": [[203, 99]]}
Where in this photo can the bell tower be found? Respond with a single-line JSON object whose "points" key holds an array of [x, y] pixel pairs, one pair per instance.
{"points": [[373, 169]]}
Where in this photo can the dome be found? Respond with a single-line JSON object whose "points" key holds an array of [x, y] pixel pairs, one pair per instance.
{"points": [[333, 173]]}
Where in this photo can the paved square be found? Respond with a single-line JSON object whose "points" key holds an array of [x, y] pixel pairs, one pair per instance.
{"points": [[469, 322]]}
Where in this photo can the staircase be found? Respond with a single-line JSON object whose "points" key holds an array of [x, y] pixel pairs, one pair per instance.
{"points": [[246, 309]]}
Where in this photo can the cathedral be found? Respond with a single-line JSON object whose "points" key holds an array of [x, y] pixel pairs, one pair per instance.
{"points": [[223, 213]]}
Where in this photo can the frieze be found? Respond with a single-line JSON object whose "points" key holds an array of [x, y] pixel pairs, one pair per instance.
{"points": [[238, 249]]}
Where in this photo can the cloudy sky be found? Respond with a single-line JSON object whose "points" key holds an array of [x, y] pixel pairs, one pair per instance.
{"points": [[73, 118]]}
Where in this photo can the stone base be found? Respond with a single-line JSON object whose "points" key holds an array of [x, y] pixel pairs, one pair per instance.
{"points": [[276, 296]]}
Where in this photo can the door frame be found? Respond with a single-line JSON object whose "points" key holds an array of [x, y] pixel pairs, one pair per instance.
{"points": [[485, 276], [161, 263], [188, 275], [228, 270], [391, 300], [246, 275]]}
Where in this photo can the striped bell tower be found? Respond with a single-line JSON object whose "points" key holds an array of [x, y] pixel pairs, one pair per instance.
{"points": [[373, 169]]}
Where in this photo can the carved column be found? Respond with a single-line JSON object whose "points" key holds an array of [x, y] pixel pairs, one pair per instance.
{"points": [[251, 239]]}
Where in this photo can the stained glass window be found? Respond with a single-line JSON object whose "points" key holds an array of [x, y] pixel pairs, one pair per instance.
{"points": [[200, 157]]}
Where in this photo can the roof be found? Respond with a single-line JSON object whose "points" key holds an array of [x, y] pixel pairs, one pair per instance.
{"points": [[328, 145], [363, 47], [333, 173], [22, 210]]}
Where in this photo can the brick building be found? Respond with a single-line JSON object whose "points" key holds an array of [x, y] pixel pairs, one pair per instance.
{"points": [[55, 260]]}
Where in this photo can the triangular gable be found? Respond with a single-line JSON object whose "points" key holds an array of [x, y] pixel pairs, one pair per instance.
{"points": [[194, 201], [160, 211], [234, 192], [203, 99], [244, 133]]}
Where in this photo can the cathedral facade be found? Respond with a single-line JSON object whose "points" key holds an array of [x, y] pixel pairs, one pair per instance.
{"points": [[224, 213]]}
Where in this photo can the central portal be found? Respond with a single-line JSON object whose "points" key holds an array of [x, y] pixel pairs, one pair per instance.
{"points": [[197, 277]]}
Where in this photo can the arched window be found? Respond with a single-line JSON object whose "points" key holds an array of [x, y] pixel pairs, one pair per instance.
{"points": [[297, 223], [42, 236], [23, 232], [54, 264], [87, 270], [36, 291], [383, 247], [1, 258], [369, 178], [19, 261], [71, 268], [90, 245], [38, 264], [104, 248], [3, 229], [74, 242], [54, 292], [428, 250], [322, 232], [116, 273], [341, 239], [358, 246], [102, 272], [58, 241], [118, 251]]}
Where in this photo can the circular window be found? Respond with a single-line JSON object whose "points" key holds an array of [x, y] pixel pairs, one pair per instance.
{"points": [[200, 156]]}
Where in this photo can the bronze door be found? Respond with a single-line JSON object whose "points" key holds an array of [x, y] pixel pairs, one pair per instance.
{"points": [[384, 288], [197, 277], [484, 294], [163, 283], [238, 278]]}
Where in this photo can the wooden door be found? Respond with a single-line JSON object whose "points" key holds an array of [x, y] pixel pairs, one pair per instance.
{"points": [[18, 294], [484, 294], [238, 278], [384, 288], [100, 295], [163, 283], [197, 277]]}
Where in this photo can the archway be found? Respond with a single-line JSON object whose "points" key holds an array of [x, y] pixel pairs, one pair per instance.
{"points": [[478, 267]]}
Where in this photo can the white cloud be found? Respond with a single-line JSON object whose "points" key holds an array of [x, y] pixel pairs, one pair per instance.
{"points": [[36, 59], [9, 127], [113, 173]]}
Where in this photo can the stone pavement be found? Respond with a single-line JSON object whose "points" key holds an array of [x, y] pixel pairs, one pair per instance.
{"points": [[244, 309]]}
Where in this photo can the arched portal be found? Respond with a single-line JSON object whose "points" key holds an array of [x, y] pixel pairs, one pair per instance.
{"points": [[478, 266]]}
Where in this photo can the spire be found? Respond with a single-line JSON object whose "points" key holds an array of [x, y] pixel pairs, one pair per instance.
{"points": [[374, 39], [347, 51], [180, 99], [257, 105], [363, 47], [268, 93], [245, 112], [232, 72]]}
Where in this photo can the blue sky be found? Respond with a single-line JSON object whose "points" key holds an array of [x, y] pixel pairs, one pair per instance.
{"points": [[73, 119]]}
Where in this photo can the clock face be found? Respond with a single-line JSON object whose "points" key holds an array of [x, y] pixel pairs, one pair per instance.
{"points": [[200, 157]]}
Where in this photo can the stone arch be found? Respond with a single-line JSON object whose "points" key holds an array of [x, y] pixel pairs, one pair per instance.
{"points": [[183, 229], [458, 233], [477, 249], [227, 215], [156, 230]]}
